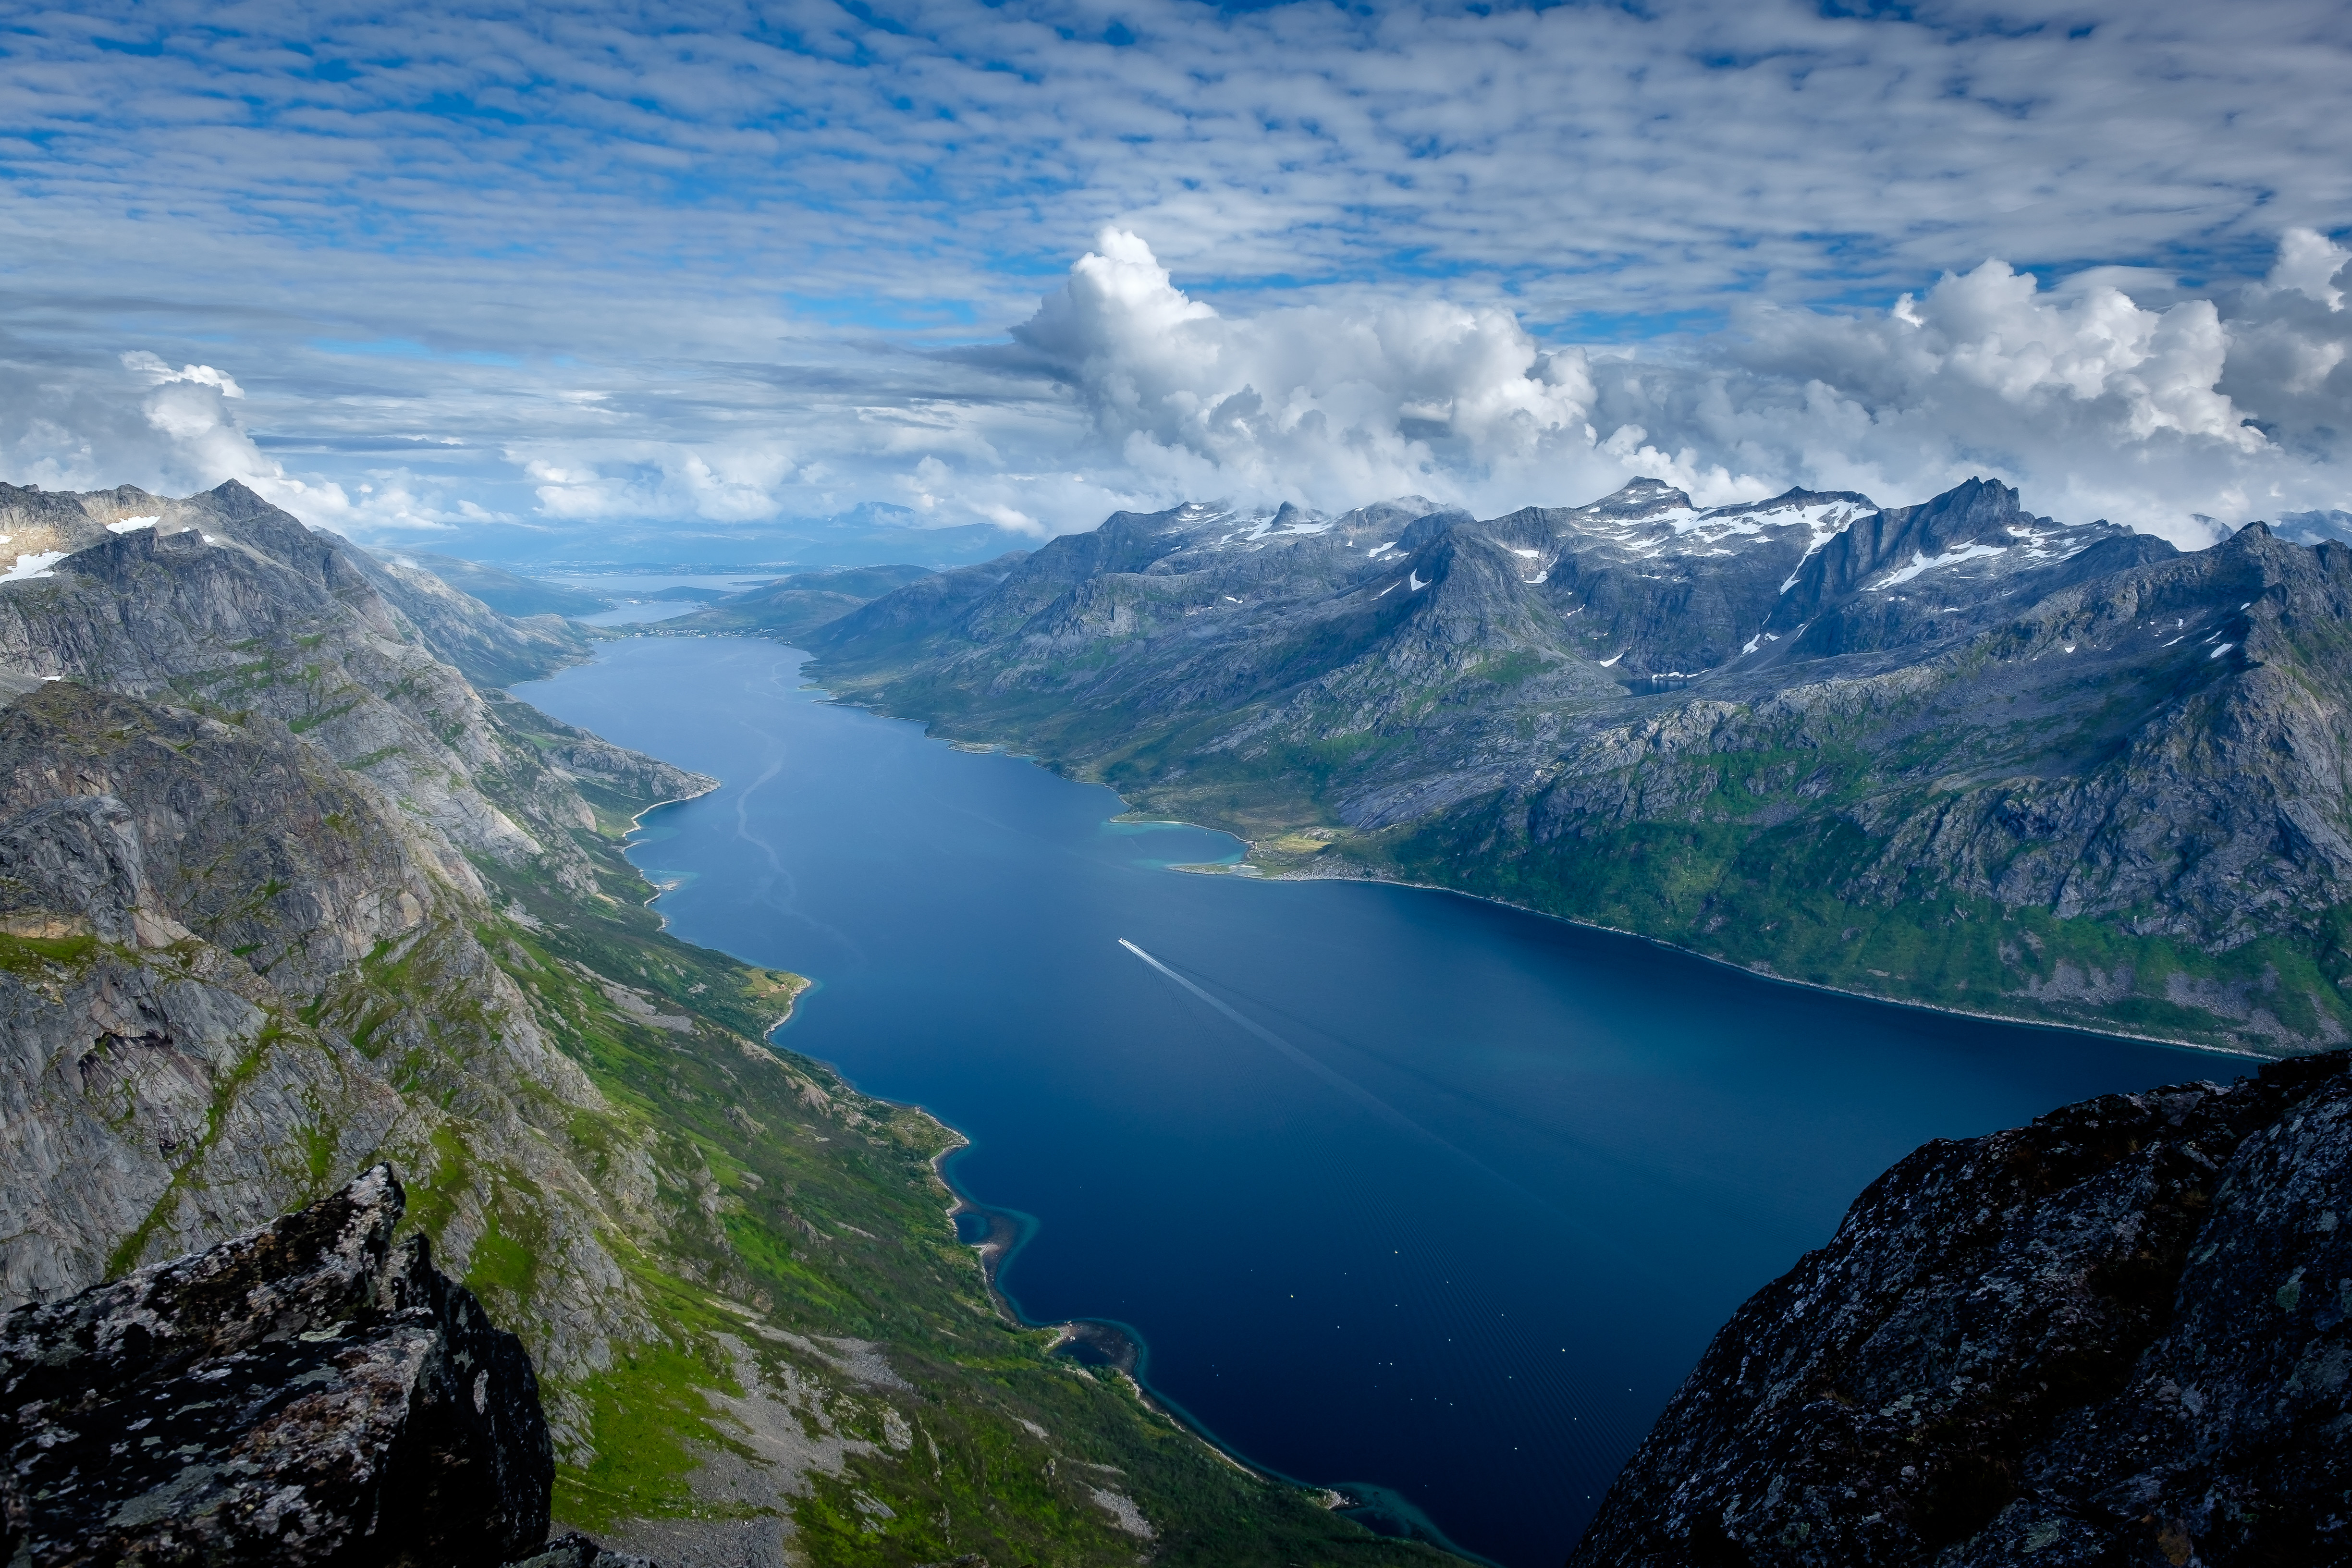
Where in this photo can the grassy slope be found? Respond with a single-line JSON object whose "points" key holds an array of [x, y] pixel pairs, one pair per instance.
{"points": [[835, 1224]]}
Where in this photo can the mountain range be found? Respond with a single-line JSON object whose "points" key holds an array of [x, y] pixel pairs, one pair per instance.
{"points": [[1951, 753]]}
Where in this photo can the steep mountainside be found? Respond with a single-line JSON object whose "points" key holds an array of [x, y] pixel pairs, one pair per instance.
{"points": [[282, 895], [1952, 752], [2119, 1336]]}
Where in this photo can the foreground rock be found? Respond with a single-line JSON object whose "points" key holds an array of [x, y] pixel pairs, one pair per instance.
{"points": [[2115, 1337], [305, 1393]]}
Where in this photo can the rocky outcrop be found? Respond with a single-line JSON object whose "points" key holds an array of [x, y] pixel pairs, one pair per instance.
{"points": [[306, 1392], [2122, 1335]]}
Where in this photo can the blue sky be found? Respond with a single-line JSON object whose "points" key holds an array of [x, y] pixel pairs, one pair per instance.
{"points": [[427, 271]]}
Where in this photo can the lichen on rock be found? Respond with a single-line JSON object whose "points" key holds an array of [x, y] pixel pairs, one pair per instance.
{"points": [[306, 1392]]}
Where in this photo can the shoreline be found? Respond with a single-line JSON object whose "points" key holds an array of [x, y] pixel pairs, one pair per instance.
{"points": [[1246, 870], [1128, 1350], [1659, 941]]}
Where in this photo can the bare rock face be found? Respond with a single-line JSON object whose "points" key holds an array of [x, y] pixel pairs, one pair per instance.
{"points": [[2117, 1336], [303, 1393]]}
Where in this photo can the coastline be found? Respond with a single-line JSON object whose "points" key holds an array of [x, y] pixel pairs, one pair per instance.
{"points": [[1121, 1350], [1764, 974], [765, 981], [1246, 870]]}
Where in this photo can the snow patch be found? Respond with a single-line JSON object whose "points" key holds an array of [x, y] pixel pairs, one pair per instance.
{"points": [[1612, 658], [1538, 578], [35, 564], [2223, 649], [1920, 563], [1417, 583], [1530, 554], [132, 524]]}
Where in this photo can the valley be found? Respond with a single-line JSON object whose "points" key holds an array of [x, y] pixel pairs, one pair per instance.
{"points": [[286, 894]]}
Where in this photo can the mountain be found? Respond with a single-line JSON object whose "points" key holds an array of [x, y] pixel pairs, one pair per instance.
{"points": [[789, 610], [869, 531], [284, 895], [2115, 1336], [1953, 754]]}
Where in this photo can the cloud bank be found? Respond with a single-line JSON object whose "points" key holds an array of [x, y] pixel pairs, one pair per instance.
{"points": [[2165, 415], [575, 267]]}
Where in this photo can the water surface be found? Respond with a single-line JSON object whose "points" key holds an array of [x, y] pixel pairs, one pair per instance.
{"points": [[1402, 1191]]}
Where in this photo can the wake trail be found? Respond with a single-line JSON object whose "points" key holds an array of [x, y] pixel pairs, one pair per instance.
{"points": [[1345, 1085], [1552, 1394]]}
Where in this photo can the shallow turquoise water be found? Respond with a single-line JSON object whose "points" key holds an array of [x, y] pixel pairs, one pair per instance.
{"points": [[1403, 1193]]}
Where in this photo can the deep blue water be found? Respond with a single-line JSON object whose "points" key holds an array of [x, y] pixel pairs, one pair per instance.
{"points": [[1403, 1193]]}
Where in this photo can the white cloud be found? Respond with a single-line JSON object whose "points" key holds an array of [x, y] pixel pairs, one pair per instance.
{"points": [[2308, 262], [156, 372], [2095, 404], [699, 273], [1305, 402]]}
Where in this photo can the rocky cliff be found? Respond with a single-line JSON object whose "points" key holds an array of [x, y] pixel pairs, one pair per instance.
{"points": [[305, 1393], [1952, 753], [283, 894], [2117, 1336]]}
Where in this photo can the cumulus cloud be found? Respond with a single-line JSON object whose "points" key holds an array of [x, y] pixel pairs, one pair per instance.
{"points": [[2308, 262], [1304, 401], [151, 369], [2096, 402]]}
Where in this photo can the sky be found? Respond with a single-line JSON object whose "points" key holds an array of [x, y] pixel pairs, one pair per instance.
{"points": [[516, 279]]}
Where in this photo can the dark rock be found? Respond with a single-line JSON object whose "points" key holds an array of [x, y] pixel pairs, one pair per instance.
{"points": [[2115, 1336], [306, 1392], [573, 1549]]}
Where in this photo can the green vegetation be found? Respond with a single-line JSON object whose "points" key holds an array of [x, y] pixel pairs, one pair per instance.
{"points": [[800, 1213], [32, 955], [1765, 898], [1752, 855]]}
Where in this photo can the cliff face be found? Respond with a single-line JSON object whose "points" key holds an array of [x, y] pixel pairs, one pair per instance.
{"points": [[227, 604], [306, 1392], [1952, 753], [2117, 1336]]}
